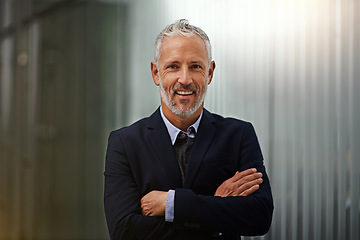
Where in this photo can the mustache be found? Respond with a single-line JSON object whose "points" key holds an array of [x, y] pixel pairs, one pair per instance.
{"points": [[181, 86]]}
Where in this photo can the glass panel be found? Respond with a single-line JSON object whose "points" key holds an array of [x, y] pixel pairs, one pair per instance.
{"points": [[58, 105], [6, 14], [6, 137], [77, 93]]}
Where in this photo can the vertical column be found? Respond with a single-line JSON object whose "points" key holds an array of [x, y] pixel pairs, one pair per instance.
{"points": [[354, 119], [6, 116]]}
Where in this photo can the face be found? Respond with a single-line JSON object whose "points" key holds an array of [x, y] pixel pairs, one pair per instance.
{"points": [[183, 73]]}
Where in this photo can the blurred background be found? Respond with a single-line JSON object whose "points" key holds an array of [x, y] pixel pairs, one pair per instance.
{"points": [[73, 70]]}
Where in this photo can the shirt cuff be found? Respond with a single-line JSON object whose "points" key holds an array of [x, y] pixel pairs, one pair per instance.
{"points": [[169, 207]]}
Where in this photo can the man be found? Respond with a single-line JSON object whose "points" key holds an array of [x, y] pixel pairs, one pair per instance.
{"points": [[184, 173]]}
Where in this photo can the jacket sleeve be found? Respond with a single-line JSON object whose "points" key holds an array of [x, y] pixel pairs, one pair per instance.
{"points": [[122, 200], [247, 216]]}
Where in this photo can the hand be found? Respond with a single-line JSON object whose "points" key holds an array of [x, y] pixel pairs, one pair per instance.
{"points": [[153, 203], [242, 183]]}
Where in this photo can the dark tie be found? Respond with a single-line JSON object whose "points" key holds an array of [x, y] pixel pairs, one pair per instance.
{"points": [[182, 149]]}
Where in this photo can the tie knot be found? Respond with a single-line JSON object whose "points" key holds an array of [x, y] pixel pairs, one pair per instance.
{"points": [[182, 135]]}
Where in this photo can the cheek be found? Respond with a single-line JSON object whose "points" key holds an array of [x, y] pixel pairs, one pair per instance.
{"points": [[166, 88], [167, 82], [202, 84]]}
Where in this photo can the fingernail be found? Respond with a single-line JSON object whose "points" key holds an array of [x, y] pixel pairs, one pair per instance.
{"points": [[254, 170]]}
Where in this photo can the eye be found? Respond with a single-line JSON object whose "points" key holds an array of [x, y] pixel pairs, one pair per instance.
{"points": [[172, 66], [196, 66]]}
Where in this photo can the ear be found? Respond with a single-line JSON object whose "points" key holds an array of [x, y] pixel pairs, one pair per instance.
{"points": [[211, 71], [155, 73]]}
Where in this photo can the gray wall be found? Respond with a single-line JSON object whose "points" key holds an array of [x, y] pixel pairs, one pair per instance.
{"points": [[71, 71], [62, 64]]}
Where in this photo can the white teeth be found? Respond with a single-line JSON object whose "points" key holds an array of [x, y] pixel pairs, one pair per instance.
{"points": [[184, 92]]}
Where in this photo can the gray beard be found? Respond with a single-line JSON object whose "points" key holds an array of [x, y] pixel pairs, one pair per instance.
{"points": [[187, 112]]}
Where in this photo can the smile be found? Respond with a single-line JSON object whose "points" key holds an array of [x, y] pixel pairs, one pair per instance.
{"points": [[184, 93]]}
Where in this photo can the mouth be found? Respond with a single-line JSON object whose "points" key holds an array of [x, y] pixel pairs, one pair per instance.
{"points": [[184, 92]]}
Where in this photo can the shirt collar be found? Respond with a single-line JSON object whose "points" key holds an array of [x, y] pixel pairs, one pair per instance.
{"points": [[174, 131]]}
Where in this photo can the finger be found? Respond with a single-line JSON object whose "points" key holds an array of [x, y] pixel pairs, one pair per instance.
{"points": [[250, 191], [249, 178], [143, 211], [248, 185], [142, 208], [146, 210], [239, 175]]}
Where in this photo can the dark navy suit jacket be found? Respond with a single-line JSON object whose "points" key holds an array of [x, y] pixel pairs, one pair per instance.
{"points": [[140, 158]]}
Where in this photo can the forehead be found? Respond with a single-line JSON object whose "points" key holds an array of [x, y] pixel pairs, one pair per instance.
{"points": [[183, 47]]}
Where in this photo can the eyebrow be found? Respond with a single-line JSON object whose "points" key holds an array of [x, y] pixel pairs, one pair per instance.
{"points": [[171, 62], [199, 62], [177, 62]]}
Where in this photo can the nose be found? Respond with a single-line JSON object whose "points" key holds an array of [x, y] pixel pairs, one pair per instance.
{"points": [[185, 77]]}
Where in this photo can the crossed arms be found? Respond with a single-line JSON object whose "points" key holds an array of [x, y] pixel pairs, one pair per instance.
{"points": [[241, 184]]}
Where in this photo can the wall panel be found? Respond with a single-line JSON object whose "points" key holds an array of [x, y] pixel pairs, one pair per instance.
{"points": [[71, 71]]}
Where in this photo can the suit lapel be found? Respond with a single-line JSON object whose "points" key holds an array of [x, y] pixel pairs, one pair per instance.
{"points": [[160, 140], [204, 137]]}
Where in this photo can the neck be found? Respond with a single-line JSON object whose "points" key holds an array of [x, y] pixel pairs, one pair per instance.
{"points": [[182, 123]]}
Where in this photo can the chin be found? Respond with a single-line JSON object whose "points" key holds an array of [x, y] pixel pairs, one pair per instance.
{"points": [[187, 112]]}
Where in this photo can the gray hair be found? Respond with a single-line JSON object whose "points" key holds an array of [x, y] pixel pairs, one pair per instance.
{"points": [[180, 28]]}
